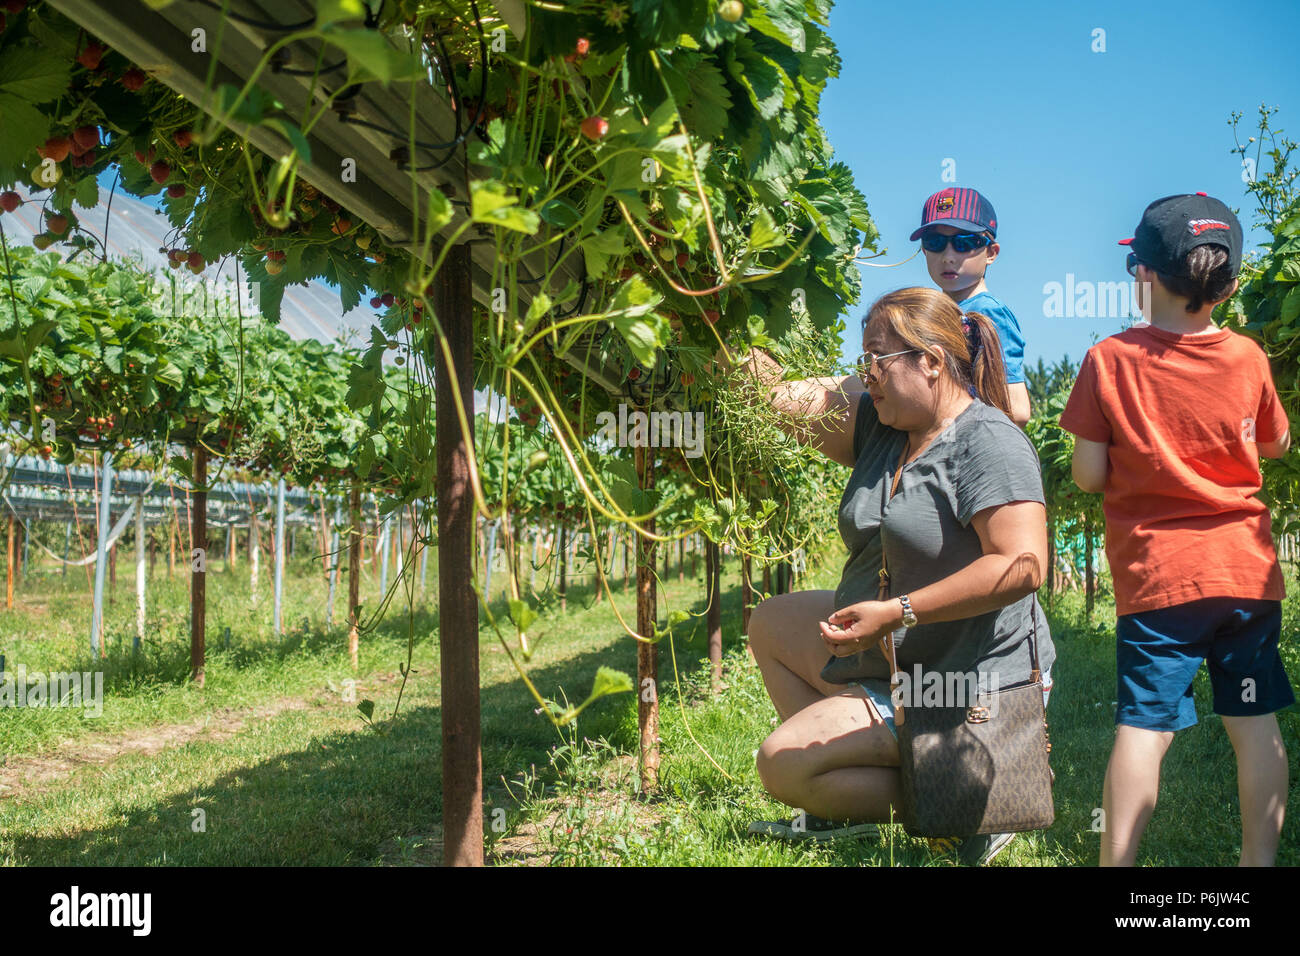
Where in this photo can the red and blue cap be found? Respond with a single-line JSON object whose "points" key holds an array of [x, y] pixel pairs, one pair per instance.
{"points": [[960, 208], [1175, 225]]}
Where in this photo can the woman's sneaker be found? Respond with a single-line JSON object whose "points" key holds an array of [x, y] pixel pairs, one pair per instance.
{"points": [[973, 851], [805, 826]]}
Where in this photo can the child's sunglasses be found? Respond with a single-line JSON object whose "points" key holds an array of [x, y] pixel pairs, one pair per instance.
{"points": [[962, 242], [1131, 264]]}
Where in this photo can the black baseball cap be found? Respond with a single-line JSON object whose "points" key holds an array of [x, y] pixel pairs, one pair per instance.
{"points": [[960, 208], [1172, 227]]}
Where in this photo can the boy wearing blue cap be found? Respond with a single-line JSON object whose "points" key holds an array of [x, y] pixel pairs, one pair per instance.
{"points": [[958, 232]]}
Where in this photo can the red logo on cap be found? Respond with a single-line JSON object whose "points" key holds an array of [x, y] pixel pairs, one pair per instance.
{"points": [[1198, 226]]}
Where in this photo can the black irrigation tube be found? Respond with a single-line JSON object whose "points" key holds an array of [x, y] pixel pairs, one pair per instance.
{"points": [[260, 24]]}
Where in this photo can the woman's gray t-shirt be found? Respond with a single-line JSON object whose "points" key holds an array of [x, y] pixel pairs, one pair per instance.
{"points": [[982, 459]]}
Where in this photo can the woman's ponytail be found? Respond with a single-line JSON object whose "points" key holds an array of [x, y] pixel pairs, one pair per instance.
{"points": [[988, 375]]}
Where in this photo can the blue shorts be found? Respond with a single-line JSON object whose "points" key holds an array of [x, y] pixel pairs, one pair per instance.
{"points": [[1159, 652], [879, 694]]}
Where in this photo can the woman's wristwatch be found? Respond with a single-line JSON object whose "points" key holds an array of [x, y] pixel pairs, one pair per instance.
{"points": [[909, 616]]}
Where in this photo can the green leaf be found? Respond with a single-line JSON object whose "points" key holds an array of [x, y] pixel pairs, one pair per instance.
{"points": [[763, 78], [705, 113], [367, 709], [293, 134], [87, 193], [521, 614], [538, 307], [25, 127], [764, 234], [369, 52], [33, 74], [560, 214], [1290, 307], [440, 211], [333, 11], [489, 203], [597, 250], [607, 681], [251, 109], [631, 311], [21, 342]]}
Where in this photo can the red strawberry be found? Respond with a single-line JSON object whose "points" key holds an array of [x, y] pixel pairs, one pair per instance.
{"points": [[688, 378], [712, 315], [376, 302], [15, 6], [10, 200], [388, 299], [133, 79], [56, 148], [583, 46], [595, 127], [160, 172], [275, 255], [633, 375], [87, 137], [682, 259], [183, 138], [90, 56], [176, 191], [195, 261], [176, 254], [56, 224]]}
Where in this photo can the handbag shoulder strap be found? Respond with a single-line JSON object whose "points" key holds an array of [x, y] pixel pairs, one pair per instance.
{"points": [[1033, 638]]}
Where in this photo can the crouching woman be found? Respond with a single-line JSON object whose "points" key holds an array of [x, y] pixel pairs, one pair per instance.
{"points": [[948, 490]]}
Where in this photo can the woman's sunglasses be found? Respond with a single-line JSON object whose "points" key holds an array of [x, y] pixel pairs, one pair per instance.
{"points": [[868, 360], [962, 242]]}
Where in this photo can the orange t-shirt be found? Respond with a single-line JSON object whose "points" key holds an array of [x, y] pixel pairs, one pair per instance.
{"points": [[1182, 415]]}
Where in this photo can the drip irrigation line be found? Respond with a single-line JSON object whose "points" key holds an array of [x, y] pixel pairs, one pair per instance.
{"points": [[260, 24]]}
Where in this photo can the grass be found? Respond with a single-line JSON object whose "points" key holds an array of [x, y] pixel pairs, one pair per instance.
{"points": [[270, 764]]}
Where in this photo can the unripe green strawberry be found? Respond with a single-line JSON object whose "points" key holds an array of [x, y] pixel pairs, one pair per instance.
{"points": [[731, 10]]}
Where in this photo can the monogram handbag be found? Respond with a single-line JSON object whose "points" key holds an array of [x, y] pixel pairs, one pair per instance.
{"points": [[981, 767]]}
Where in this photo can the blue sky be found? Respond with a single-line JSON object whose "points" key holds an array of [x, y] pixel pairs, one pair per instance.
{"points": [[1068, 144]]}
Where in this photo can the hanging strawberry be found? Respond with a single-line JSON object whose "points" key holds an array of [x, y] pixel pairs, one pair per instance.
{"points": [[595, 127]]}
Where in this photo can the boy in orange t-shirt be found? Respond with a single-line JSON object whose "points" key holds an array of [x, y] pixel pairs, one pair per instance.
{"points": [[1170, 419]]}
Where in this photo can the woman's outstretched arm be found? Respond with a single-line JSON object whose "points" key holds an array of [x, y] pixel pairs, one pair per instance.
{"points": [[818, 412]]}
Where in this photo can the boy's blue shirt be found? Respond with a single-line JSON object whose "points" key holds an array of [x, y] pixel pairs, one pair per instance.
{"points": [[1013, 342]]}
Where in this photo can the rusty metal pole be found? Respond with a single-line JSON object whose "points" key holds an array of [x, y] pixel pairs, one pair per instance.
{"points": [[462, 760], [198, 564], [647, 654]]}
